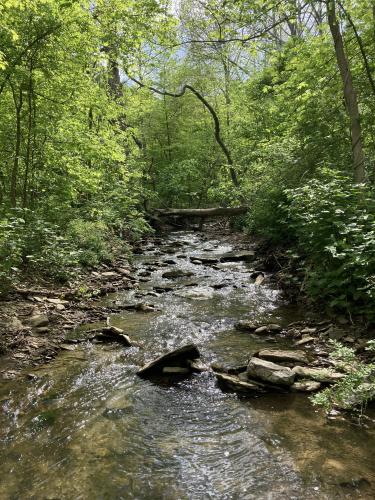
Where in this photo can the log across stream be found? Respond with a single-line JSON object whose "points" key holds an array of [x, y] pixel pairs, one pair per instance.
{"points": [[86, 426]]}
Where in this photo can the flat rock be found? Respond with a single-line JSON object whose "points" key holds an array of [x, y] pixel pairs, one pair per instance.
{"points": [[305, 340], [204, 259], [233, 383], [176, 273], [231, 370], [196, 365], [318, 374], [219, 286], [162, 289], [246, 326], [238, 256], [111, 334], [309, 331], [270, 372], [180, 357], [109, 274], [283, 356]]}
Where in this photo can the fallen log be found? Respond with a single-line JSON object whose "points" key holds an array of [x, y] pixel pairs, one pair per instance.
{"points": [[201, 212]]}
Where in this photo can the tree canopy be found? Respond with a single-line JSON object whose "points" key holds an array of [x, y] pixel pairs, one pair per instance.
{"points": [[112, 108]]}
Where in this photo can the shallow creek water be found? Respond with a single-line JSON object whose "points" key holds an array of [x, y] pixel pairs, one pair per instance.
{"points": [[90, 428]]}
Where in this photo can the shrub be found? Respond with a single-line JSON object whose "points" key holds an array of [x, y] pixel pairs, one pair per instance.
{"points": [[28, 242], [354, 390], [94, 240], [333, 221]]}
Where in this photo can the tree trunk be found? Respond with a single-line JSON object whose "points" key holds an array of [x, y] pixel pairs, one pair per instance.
{"points": [[30, 131], [17, 150], [202, 212], [350, 94]]}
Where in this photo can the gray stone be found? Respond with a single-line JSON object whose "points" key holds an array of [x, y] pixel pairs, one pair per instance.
{"points": [[283, 356], [273, 327], [180, 357], [176, 273], [235, 384], [270, 372], [246, 326], [306, 339], [238, 256], [318, 374], [261, 329], [308, 331], [204, 259], [231, 370], [259, 280], [196, 365], [111, 334]]}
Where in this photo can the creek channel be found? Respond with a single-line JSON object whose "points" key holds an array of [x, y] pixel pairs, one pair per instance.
{"points": [[88, 428]]}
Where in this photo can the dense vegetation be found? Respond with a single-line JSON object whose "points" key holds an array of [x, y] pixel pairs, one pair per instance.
{"points": [[110, 108]]}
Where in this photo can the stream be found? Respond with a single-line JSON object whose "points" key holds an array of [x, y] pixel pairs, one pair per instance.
{"points": [[88, 428]]}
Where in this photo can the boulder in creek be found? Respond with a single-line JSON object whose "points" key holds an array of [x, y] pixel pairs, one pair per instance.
{"points": [[197, 366], [169, 261], [238, 256], [246, 326], [259, 279], [250, 326], [305, 386], [162, 289], [196, 261], [283, 356], [234, 383], [231, 370], [204, 259], [306, 339], [271, 328], [219, 286], [176, 273], [181, 357], [111, 334], [270, 372], [319, 374]]}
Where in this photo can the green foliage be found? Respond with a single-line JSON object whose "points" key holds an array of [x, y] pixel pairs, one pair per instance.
{"points": [[28, 242], [95, 241], [333, 221], [356, 388]]}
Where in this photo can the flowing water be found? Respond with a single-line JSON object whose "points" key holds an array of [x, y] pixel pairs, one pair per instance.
{"points": [[89, 428]]}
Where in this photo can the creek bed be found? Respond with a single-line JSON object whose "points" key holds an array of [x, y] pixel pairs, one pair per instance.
{"points": [[88, 427]]}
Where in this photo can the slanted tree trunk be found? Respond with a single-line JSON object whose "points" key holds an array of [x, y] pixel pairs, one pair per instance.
{"points": [[350, 95], [215, 118]]}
